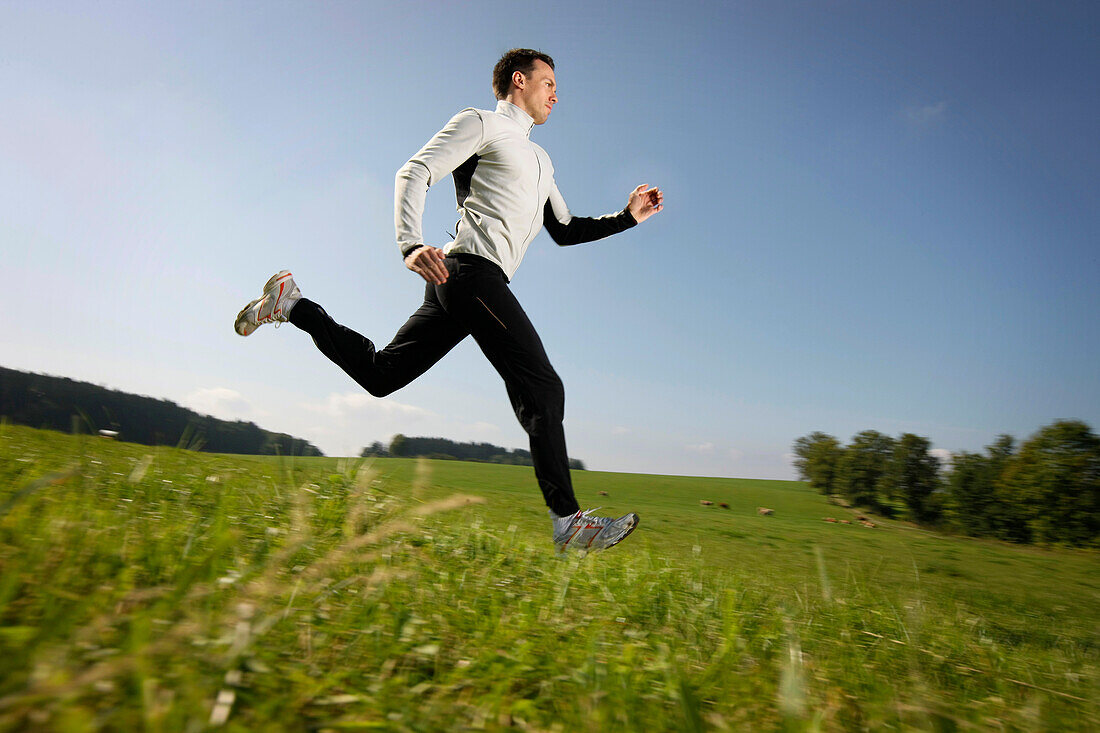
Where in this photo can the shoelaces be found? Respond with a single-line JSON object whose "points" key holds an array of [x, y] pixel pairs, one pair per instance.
{"points": [[587, 515]]}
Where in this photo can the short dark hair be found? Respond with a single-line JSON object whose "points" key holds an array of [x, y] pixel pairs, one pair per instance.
{"points": [[518, 59]]}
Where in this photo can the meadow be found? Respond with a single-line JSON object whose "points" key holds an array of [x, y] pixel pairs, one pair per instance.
{"points": [[169, 590]]}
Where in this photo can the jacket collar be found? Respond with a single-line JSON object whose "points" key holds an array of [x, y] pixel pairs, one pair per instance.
{"points": [[516, 114]]}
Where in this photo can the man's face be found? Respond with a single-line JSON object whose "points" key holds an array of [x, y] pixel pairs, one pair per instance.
{"points": [[539, 92]]}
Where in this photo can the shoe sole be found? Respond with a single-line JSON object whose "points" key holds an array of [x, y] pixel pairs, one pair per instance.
{"points": [[274, 280], [633, 526], [561, 549], [242, 323]]}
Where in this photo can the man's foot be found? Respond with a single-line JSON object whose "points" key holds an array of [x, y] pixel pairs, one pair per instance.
{"points": [[583, 531], [280, 295]]}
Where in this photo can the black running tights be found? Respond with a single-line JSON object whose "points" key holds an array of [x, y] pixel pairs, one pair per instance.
{"points": [[477, 301]]}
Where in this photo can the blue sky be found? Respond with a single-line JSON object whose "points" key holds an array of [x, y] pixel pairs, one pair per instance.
{"points": [[878, 215]]}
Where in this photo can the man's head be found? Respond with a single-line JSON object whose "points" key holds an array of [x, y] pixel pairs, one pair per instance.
{"points": [[525, 78]]}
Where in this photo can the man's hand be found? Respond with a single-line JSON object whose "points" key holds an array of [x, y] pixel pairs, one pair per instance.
{"points": [[427, 262], [644, 202]]}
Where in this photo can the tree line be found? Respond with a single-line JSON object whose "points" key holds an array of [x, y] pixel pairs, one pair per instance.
{"points": [[1045, 490], [58, 403], [441, 448]]}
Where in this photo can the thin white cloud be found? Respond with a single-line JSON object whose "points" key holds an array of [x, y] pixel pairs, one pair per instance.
{"points": [[922, 116], [482, 431], [357, 404], [220, 402], [704, 448], [351, 420]]}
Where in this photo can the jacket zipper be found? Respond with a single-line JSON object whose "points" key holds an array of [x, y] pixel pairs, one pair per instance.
{"points": [[537, 183]]}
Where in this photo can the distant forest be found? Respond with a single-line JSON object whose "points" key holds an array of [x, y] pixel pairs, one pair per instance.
{"points": [[442, 448], [1044, 491], [57, 403]]}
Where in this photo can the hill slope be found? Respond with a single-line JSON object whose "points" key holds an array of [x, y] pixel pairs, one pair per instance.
{"points": [[59, 403], [321, 593]]}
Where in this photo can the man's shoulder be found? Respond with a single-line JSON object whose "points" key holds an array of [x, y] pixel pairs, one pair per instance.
{"points": [[469, 113], [488, 117], [490, 120]]}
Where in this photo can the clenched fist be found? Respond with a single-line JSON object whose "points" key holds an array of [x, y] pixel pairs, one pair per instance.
{"points": [[427, 262]]}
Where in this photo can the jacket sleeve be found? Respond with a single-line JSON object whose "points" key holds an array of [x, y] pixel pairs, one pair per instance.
{"points": [[566, 229], [449, 148]]}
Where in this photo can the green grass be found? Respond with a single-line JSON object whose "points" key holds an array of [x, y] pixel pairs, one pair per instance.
{"points": [[161, 589]]}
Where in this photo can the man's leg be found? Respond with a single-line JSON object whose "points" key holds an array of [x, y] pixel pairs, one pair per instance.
{"points": [[424, 339], [478, 297]]}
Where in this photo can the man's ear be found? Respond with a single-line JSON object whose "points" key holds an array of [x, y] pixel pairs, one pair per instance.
{"points": [[518, 79]]}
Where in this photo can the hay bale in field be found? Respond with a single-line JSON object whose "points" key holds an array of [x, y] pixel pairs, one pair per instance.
{"points": [[764, 511], [603, 493], [724, 505], [830, 519], [705, 502]]}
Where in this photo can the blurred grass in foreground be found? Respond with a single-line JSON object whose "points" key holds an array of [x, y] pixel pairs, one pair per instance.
{"points": [[162, 589]]}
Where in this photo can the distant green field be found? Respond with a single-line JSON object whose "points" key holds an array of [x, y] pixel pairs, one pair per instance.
{"points": [[167, 590]]}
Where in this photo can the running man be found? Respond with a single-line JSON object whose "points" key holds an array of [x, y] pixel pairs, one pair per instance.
{"points": [[506, 193]]}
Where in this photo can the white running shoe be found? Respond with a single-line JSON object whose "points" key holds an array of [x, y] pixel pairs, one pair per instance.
{"points": [[280, 295], [583, 531]]}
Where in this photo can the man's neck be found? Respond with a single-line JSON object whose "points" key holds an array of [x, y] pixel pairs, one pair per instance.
{"points": [[518, 102], [516, 113]]}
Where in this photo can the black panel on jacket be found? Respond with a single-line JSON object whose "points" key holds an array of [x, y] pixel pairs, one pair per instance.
{"points": [[463, 175]]}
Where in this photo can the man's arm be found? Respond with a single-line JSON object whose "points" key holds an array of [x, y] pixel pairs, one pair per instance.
{"points": [[566, 229], [448, 149]]}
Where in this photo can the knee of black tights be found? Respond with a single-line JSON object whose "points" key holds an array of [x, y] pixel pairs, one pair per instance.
{"points": [[535, 422], [377, 389], [555, 400]]}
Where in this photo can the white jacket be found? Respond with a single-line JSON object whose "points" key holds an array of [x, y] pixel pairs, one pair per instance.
{"points": [[505, 189]]}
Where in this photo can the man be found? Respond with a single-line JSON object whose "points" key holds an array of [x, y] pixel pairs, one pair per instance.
{"points": [[506, 193]]}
